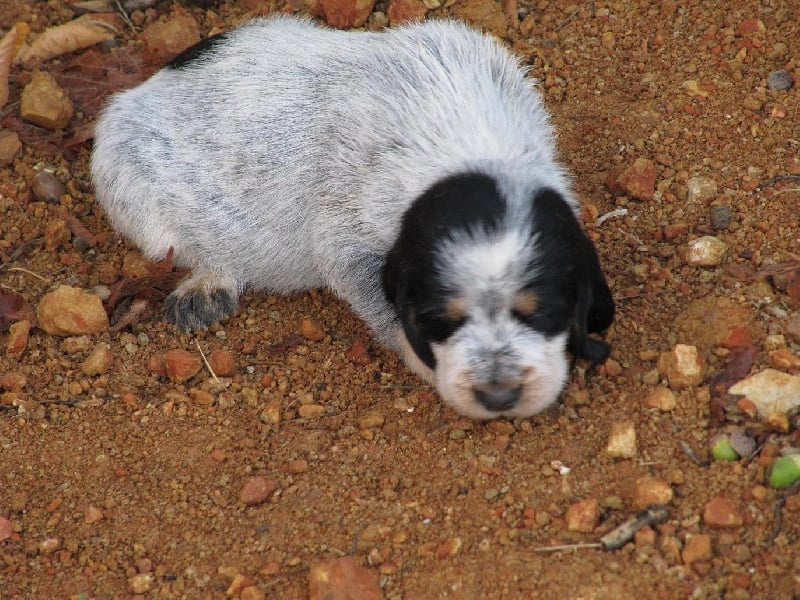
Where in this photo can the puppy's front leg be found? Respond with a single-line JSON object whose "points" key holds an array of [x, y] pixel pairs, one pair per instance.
{"points": [[201, 300]]}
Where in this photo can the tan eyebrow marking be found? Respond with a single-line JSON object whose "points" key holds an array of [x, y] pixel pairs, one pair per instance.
{"points": [[525, 303], [455, 309]]}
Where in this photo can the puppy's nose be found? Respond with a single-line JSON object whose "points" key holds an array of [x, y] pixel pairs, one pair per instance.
{"points": [[499, 399]]}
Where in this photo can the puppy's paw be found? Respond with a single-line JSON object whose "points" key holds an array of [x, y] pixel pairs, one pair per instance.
{"points": [[197, 304]]}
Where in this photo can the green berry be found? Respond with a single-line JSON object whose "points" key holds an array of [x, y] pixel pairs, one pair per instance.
{"points": [[721, 448], [784, 471]]}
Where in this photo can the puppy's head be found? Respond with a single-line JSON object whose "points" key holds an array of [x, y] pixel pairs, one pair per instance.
{"points": [[491, 294]]}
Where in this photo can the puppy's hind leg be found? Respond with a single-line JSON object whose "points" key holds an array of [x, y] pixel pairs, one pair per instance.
{"points": [[201, 300]]}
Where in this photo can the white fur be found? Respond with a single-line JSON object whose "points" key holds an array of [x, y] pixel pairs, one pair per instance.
{"points": [[288, 161]]}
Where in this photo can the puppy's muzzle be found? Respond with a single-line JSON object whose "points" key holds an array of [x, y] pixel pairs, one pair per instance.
{"points": [[498, 398]]}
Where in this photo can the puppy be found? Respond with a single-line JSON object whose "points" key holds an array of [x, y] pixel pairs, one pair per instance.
{"points": [[413, 172]]}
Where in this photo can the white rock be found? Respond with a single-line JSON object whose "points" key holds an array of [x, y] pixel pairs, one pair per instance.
{"points": [[700, 189], [771, 391], [622, 440], [706, 251]]}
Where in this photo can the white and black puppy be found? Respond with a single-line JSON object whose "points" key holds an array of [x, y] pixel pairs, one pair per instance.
{"points": [[413, 172]]}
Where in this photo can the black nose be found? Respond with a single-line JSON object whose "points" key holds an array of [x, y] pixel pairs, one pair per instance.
{"points": [[499, 399]]}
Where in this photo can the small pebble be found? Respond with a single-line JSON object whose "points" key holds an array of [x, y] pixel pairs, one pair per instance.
{"points": [[18, 335], [99, 361], [651, 491], [622, 440], [140, 583], [223, 363], [9, 146], [701, 189], [583, 516], [311, 330], [181, 365], [92, 514], [682, 366], [721, 217], [697, 548], [707, 251], [45, 103], [46, 187], [638, 180], [449, 547], [721, 513], [661, 398], [780, 80], [257, 490]]}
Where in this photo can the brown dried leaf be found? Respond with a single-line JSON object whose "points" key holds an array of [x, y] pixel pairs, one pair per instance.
{"points": [[156, 285], [13, 308], [6, 54], [79, 33], [91, 76], [737, 369]]}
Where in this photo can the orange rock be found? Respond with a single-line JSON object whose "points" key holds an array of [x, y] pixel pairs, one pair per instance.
{"points": [[738, 337], [583, 516], [449, 547], [683, 366], [181, 365], [71, 311], [342, 14], [404, 11], [18, 337], [44, 103], [13, 381], [9, 146], [311, 330], [56, 234], [661, 398], [357, 353], [751, 28], [697, 548], [650, 491], [341, 578], [639, 179], [167, 38], [98, 361], [721, 513], [487, 16], [223, 363], [257, 490]]}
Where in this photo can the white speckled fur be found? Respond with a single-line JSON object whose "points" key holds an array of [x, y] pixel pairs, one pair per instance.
{"points": [[285, 159]]}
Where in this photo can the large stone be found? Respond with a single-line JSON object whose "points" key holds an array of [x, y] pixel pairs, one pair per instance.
{"points": [[771, 391], [45, 103], [71, 311]]}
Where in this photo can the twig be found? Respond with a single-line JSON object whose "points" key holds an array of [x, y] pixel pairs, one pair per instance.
{"points": [[124, 15], [776, 179], [593, 546], [208, 366], [692, 456], [31, 273]]}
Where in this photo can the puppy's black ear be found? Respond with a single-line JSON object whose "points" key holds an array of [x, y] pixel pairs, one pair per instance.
{"points": [[398, 287], [594, 308]]}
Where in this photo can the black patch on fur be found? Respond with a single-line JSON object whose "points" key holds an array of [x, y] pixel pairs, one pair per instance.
{"points": [[198, 309], [570, 284], [464, 202], [193, 54]]}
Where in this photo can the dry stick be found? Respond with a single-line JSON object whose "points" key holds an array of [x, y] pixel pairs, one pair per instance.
{"points": [[29, 273], [124, 15], [205, 360], [776, 179]]}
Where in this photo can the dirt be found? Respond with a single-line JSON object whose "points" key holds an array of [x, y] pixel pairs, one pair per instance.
{"points": [[127, 481]]}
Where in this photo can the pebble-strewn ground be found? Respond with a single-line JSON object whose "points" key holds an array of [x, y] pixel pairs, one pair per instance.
{"points": [[126, 467]]}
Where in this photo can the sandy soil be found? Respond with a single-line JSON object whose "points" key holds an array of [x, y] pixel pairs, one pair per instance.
{"points": [[127, 480]]}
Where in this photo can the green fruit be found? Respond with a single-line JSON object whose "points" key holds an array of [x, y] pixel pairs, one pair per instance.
{"points": [[721, 448], [784, 471]]}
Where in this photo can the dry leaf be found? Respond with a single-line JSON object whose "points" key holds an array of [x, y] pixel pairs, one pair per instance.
{"points": [[13, 308], [6, 54], [63, 39]]}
